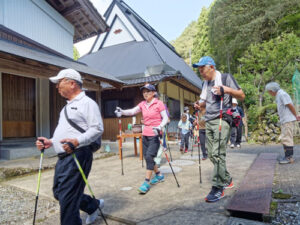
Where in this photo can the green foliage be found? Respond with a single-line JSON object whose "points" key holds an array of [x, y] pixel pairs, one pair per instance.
{"points": [[184, 43], [290, 23], [76, 54], [256, 40], [234, 25], [201, 45], [271, 60], [256, 114]]}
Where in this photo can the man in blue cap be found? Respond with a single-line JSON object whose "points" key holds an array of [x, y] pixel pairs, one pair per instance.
{"points": [[217, 87]]}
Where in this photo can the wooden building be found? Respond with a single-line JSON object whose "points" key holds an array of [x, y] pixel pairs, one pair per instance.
{"points": [[135, 53], [36, 42]]}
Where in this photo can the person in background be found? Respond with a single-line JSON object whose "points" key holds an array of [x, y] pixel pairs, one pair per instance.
{"points": [[185, 129], [287, 115], [155, 118], [202, 135], [236, 129]]}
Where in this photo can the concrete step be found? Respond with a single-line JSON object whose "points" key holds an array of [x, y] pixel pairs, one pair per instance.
{"points": [[17, 151]]}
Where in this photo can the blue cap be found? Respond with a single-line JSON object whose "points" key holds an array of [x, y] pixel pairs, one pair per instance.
{"points": [[150, 87], [205, 60]]}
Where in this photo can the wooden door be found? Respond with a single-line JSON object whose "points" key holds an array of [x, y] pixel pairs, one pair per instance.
{"points": [[57, 102], [18, 106]]}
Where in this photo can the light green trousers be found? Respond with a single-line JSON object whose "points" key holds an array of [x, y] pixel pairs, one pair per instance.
{"points": [[216, 156]]}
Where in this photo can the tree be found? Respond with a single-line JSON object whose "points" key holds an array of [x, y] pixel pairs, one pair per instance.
{"points": [[76, 54], [271, 60], [184, 43], [201, 44], [234, 25]]}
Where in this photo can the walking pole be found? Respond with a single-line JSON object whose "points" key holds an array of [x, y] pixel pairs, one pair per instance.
{"points": [[220, 128], [86, 182], [164, 150], [142, 159], [39, 180], [199, 163], [193, 140], [120, 129]]}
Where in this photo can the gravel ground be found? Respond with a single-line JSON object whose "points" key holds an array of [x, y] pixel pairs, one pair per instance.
{"points": [[287, 213], [17, 206]]}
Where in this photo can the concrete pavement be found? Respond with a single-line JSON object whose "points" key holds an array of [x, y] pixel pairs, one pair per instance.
{"points": [[165, 203]]}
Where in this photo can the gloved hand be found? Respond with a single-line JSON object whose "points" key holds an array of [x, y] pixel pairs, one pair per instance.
{"points": [[156, 130], [118, 112]]}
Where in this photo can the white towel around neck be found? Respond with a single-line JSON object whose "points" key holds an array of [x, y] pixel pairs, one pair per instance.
{"points": [[218, 82]]}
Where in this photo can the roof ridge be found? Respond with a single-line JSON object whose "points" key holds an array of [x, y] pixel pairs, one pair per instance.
{"points": [[147, 25]]}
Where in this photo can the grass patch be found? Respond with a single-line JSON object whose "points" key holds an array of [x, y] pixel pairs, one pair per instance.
{"points": [[281, 195]]}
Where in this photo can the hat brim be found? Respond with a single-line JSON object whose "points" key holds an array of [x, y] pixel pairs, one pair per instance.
{"points": [[146, 88], [55, 79], [196, 65]]}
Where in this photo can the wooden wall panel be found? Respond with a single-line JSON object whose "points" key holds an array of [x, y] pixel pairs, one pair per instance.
{"points": [[18, 106], [12, 129], [56, 104], [111, 126]]}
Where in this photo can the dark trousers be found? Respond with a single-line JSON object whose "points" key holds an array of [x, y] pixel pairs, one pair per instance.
{"points": [[184, 140], [150, 149], [68, 187], [202, 142], [233, 135], [239, 132]]}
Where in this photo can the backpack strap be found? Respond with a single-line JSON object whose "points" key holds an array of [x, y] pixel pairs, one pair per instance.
{"points": [[74, 125], [224, 82]]}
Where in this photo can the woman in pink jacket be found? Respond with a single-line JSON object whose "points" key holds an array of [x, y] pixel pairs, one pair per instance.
{"points": [[155, 118]]}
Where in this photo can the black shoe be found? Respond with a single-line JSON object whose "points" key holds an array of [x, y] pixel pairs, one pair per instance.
{"points": [[215, 194]]}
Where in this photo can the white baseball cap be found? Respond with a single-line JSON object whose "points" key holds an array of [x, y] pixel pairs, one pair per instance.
{"points": [[66, 73], [234, 101]]}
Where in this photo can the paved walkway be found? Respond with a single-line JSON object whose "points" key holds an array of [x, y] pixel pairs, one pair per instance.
{"points": [[165, 203]]}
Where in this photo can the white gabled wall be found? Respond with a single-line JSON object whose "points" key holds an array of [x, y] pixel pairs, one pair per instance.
{"points": [[117, 21], [37, 20], [118, 34]]}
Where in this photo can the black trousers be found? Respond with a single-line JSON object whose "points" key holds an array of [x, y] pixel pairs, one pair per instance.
{"points": [[69, 185], [202, 142], [239, 132], [150, 149]]}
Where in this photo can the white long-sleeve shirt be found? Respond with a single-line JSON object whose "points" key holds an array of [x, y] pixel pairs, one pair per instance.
{"points": [[83, 111]]}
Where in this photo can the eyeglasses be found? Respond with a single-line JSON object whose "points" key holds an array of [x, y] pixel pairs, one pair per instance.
{"points": [[62, 80]]}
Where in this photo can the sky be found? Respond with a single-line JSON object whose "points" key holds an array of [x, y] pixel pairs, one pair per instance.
{"points": [[168, 17]]}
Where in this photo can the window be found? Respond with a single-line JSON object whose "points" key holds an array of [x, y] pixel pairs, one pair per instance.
{"points": [[109, 106], [174, 108]]}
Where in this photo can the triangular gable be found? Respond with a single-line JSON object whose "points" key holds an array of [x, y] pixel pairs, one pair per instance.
{"points": [[121, 30]]}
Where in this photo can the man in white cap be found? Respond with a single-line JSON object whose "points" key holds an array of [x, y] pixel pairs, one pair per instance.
{"points": [[287, 115], [68, 184]]}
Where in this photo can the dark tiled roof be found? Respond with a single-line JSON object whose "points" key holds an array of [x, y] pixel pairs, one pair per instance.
{"points": [[133, 58], [148, 79], [33, 54]]}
